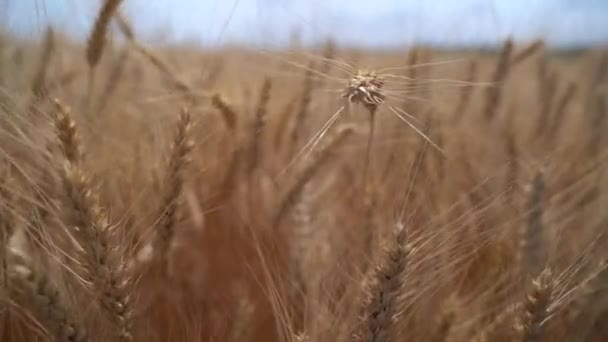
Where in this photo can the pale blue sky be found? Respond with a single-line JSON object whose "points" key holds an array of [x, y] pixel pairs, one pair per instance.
{"points": [[381, 23]]}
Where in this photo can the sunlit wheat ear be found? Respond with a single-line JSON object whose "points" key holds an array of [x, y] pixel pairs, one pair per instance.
{"points": [[66, 131], [94, 233], [365, 88]]}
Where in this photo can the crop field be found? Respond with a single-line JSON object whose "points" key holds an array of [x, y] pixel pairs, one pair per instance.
{"points": [[172, 193]]}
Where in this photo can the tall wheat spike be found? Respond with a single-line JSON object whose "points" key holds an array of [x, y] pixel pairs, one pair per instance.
{"points": [[94, 233], [387, 283], [92, 230], [179, 157], [532, 255]]}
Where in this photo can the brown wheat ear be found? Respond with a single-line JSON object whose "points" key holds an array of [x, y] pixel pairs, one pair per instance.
{"points": [[366, 88], [66, 131], [531, 255], [97, 42], [98, 36], [535, 310], [179, 157], [387, 284], [93, 232]]}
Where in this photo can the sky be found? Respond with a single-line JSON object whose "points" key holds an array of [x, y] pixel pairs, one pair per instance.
{"points": [[367, 23]]}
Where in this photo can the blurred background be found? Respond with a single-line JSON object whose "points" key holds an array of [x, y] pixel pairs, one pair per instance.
{"points": [[563, 24]]}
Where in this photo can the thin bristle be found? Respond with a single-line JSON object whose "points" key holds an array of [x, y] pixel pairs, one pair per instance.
{"points": [[165, 70]]}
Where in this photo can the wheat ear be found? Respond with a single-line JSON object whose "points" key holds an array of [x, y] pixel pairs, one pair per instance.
{"points": [[535, 309], [92, 230], [387, 284], [179, 157]]}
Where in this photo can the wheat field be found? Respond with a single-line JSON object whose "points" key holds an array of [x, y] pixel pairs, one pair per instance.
{"points": [[170, 193]]}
